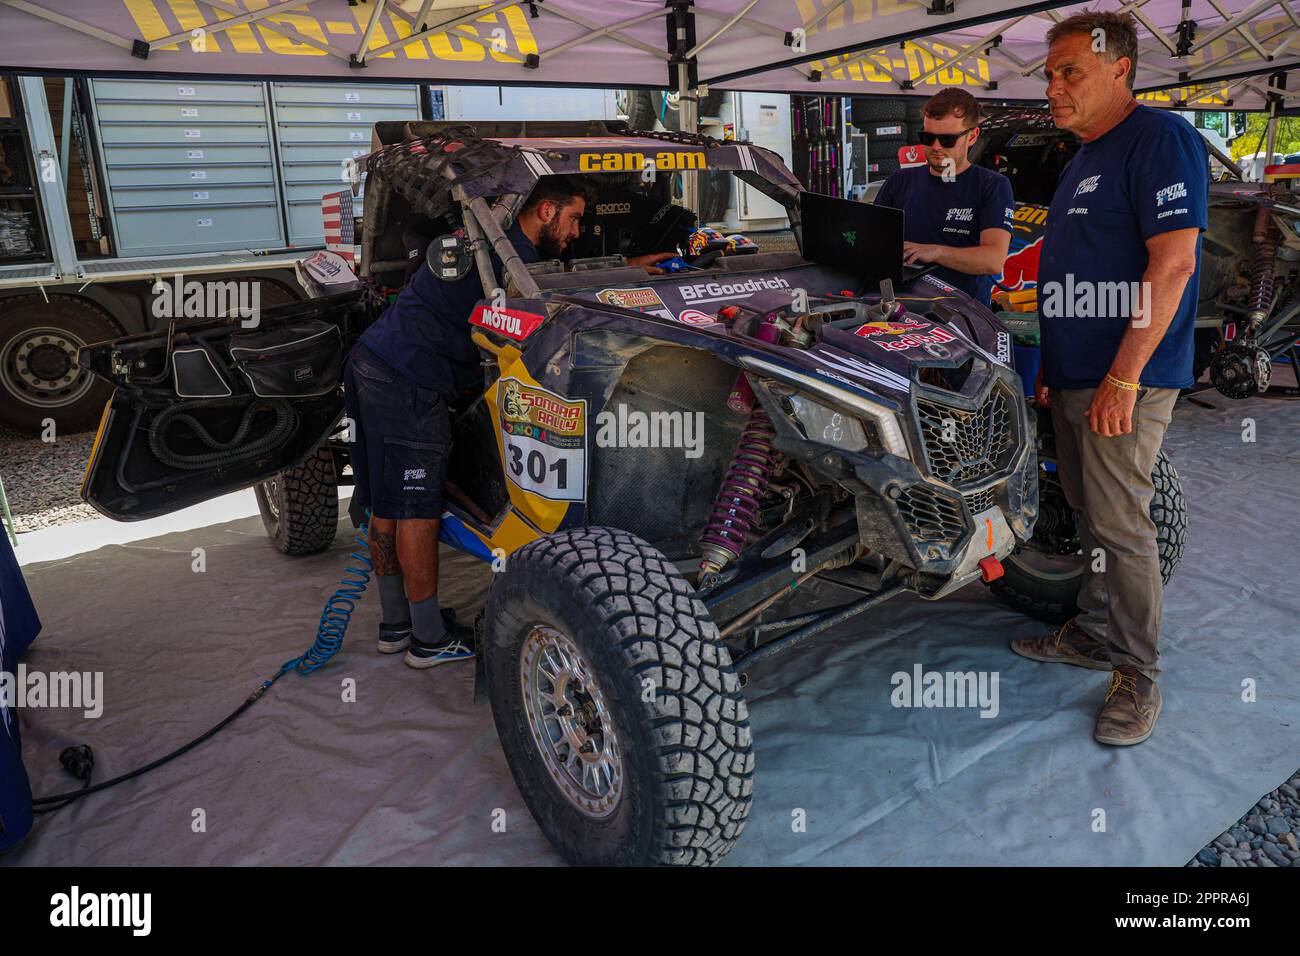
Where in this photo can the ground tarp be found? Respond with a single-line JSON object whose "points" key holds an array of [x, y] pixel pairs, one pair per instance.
{"points": [[411, 773]]}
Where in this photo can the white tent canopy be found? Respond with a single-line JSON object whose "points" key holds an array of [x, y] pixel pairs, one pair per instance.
{"points": [[858, 47]]}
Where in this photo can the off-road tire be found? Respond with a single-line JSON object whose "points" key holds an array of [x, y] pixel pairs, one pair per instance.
{"points": [[868, 111], [75, 322], [1055, 601], [687, 758], [300, 507]]}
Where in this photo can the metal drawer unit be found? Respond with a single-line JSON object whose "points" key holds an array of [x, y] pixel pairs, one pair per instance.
{"points": [[319, 127], [190, 165]]}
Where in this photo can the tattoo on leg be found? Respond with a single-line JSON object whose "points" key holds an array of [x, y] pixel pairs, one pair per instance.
{"points": [[383, 552]]}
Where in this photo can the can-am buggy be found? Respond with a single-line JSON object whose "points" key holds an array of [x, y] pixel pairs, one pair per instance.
{"points": [[878, 443]]}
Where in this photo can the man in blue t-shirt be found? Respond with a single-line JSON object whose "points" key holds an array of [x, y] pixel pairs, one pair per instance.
{"points": [[414, 363], [1117, 287], [956, 215]]}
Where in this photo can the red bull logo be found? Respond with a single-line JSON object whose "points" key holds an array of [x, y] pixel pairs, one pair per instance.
{"points": [[890, 328], [1020, 271]]}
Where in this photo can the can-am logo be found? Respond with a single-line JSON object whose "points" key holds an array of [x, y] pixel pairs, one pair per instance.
{"points": [[511, 323], [1170, 193], [713, 291]]}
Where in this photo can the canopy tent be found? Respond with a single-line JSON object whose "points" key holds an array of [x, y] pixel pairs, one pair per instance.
{"points": [[858, 47]]}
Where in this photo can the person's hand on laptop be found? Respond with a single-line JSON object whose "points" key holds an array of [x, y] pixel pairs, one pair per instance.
{"points": [[920, 253]]}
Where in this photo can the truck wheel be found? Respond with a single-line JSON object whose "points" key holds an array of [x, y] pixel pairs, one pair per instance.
{"points": [[1042, 579], [39, 374], [300, 507], [618, 710]]}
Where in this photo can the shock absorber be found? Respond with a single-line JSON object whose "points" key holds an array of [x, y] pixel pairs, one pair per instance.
{"points": [[735, 510], [1261, 272]]}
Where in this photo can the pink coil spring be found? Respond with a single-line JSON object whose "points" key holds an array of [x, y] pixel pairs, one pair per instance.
{"points": [[736, 508]]}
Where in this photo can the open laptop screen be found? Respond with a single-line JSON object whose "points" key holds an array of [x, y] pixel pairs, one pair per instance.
{"points": [[860, 238]]}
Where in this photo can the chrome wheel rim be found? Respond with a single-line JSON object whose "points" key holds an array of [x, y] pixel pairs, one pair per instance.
{"points": [[570, 723]]}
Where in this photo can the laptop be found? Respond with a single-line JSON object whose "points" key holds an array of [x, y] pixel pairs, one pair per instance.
{"points": [[862, 239]]}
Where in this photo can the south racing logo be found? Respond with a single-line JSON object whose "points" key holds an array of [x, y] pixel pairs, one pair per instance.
{"points": [[961, 215], [1087, 185], [1170, 193]]}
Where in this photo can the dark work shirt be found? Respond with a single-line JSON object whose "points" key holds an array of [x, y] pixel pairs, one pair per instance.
{"points": [[951, 213], [1147, 175], [424, 334]]}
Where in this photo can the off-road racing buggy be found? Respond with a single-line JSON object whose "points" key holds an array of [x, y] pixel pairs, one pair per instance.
{"points": [[851, 440]]}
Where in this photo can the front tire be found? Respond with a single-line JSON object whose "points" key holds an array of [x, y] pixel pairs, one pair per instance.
{"points": [[1047, 587], [300, 507], [616, 703]]}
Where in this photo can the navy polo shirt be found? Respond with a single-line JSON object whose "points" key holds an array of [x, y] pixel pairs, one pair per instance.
{"points": [[951, 213], [424, 334], [1147, 175]]}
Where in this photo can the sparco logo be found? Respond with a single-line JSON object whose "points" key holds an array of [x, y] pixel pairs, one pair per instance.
{"points": [[708, 291], [613, 208]]}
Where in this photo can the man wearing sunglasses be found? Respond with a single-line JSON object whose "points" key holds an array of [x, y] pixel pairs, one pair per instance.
{"points": [[958, 216]]}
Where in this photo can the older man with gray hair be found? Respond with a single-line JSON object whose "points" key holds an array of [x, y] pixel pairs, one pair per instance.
{"points": [[1126, 217]]}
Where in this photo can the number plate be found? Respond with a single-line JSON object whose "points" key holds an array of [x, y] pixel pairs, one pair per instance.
{"points": [[545, 440]]}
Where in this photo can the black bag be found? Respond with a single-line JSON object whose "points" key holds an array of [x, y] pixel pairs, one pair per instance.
{"points": [[296, 361]]}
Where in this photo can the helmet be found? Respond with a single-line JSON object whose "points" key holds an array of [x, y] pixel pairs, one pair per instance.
{"points": [[705, 239], [738, 245]]}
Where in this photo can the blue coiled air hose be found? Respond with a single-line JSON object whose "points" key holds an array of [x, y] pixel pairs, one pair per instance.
{"points": [[338, 609]]}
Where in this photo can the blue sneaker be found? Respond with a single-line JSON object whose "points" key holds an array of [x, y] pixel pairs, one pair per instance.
{"points": [[420, 655], [394, 637]]}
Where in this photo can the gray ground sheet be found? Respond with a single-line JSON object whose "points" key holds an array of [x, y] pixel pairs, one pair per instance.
{"points": [[411, 772]]}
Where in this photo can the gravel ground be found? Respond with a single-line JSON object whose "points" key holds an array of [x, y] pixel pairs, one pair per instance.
{"points": [[1266, 836], [43, 479]]}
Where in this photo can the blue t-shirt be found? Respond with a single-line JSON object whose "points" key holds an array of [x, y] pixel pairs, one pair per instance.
{"points": [[1148, 175], [951, 213], [424, 334]]}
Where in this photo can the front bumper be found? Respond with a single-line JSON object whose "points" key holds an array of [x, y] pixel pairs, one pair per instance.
{"points": [[969, 490]]}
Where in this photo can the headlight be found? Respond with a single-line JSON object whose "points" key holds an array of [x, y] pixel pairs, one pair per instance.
{"points": [[880, 419], [829, 426]]}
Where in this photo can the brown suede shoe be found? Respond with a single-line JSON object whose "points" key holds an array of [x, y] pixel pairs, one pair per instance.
{"points": [[1068, 645], [1132, 705]]}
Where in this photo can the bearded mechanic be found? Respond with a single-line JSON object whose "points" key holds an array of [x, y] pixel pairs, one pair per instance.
{"points": [[408, 371]]}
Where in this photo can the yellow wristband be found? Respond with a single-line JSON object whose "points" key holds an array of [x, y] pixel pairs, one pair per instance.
{"points": [[1118, 383]]}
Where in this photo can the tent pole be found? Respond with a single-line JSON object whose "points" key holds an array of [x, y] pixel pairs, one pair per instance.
{"points": [[688, 122]]}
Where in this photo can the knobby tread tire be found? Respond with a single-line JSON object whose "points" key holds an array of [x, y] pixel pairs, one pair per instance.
{"points": [[688, 756], [306, 507]]}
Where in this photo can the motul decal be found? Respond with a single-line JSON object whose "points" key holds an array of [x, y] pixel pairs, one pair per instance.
{"points": [[511, 323]]}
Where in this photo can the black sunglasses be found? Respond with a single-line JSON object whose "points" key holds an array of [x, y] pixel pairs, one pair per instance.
{"points": [[946, 140]]}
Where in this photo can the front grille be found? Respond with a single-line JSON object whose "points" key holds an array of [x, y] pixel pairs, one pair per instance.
{"points": [[980, 501], [931, 518], [963, 446]]}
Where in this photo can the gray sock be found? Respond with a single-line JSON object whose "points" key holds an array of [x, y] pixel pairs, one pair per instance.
{"points": [[394, 607], [426, 621]]}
